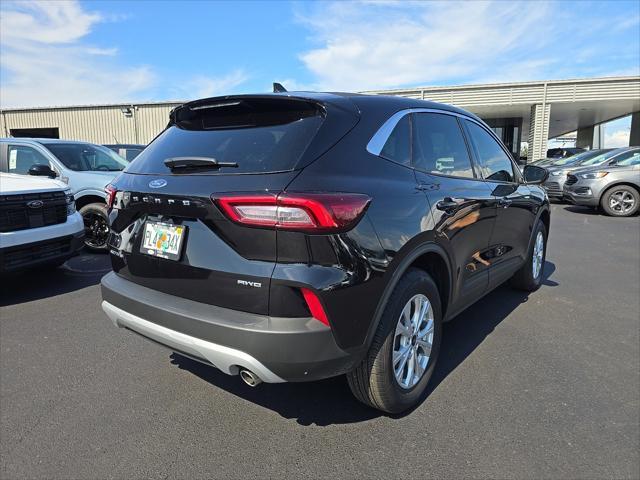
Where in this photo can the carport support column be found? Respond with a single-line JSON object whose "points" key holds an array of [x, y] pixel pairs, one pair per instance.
{"points": [[584, 137], [538, 131], [634, 136]]}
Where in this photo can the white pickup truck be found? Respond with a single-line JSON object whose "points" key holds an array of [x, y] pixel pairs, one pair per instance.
{"points": [[38, 222]]}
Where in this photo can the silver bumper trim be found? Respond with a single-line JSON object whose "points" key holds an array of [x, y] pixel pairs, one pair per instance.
{"points": [[228, 360]]}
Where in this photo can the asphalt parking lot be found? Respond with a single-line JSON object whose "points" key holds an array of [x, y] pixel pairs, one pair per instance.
{"points": [[544, 386]]}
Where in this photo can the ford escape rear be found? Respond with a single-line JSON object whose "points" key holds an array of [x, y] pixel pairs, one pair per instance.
{"points": [[294, 237]]}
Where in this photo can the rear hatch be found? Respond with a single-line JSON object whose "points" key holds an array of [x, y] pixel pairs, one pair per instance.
{"points": [[167, 231]]}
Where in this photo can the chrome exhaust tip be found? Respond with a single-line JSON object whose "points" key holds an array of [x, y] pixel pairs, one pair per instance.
{"points": [[250, 378]]}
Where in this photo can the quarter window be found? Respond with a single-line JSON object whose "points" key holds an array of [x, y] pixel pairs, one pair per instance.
{"points": [[439, 147], [397, 145], [495, 164], [22, 158]]}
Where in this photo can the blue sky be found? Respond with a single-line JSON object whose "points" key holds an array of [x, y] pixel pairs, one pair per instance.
{"points": [[69, 52]]}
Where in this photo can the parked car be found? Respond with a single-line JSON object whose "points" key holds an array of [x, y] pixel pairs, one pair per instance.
{"points": [[615, 188], [299, 236], [85, 167], [558, 174], [563, 152], [128, 151], [39, 224], [566, 161]]}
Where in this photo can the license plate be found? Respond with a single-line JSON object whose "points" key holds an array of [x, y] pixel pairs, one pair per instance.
{"points": [[163, 240]]}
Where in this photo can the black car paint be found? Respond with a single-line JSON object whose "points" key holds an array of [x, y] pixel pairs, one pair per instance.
{"points": [[482, 240]]}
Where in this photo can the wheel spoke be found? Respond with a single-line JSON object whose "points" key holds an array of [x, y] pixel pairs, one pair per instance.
{"points": [[401, 355], [419, 370], [410, 364], [425, 346], [428, 328], [403, 330]]}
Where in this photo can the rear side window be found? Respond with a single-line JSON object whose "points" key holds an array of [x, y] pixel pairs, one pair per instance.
{"points": [[439, 147], [494, 162], [397, 146], [260, 136]]}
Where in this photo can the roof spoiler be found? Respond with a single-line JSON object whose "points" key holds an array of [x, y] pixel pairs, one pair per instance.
{"points": [[278, 88]]}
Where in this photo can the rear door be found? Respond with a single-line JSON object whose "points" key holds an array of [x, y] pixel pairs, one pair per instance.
{"points": [[461, 203], [168, 232], [516, 209]]}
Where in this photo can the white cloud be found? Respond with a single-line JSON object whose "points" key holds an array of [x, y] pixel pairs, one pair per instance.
{"points": [[373, 45], [617, 138], [370, 45], [46, 61], [202, 86]]}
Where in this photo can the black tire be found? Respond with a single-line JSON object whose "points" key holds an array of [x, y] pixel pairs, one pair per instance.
{"points": [[96, 219], [615, 191], [373, 382], [524, 279]]}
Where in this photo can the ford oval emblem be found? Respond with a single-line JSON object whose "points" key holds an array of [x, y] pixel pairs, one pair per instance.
{"points": [[157, 183], [35, 204]]}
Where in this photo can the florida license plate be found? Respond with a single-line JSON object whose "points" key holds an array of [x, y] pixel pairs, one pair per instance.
{"points": [[163, 240]]}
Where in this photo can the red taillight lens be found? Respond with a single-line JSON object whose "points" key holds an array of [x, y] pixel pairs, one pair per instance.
{"points": [[110, 191], [315, 307], [293, 211]]}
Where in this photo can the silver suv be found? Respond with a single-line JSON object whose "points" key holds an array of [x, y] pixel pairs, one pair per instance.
{"points": [[615, 188], [558, 171]]}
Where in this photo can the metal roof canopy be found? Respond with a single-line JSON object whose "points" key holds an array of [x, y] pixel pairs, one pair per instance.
{"points": [[574, 103]]}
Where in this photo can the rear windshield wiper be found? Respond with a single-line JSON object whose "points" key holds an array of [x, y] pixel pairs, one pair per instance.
{"points": [[196, 162]]}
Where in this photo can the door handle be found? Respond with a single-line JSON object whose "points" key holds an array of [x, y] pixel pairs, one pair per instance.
{"points": [[423, 187], [504, 202], [447, 204]]}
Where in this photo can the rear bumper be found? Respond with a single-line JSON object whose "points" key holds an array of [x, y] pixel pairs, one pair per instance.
{"points": [[275, 349]]}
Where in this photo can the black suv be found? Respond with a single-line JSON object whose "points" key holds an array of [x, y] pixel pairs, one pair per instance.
{"points": [[299, 236]]}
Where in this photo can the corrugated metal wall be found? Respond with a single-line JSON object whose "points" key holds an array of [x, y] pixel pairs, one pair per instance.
{"points": [[96, 124], [557, 91]]}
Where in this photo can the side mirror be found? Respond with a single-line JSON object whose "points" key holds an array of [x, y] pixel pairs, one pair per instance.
{"points": [[40, 170], [535, 175]]}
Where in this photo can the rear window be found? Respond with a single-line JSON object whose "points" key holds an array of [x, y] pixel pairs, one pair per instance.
{"points": [[259, 135]]}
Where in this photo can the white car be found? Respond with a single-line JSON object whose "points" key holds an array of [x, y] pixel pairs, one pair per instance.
{"points": [[38, 222]]}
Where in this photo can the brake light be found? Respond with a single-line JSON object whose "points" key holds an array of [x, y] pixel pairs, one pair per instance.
{"points": [[110, 192], [315, 307], [295, 211]]}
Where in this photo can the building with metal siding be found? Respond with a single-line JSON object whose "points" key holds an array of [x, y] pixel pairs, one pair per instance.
{"points": [[532, 111], [120, 123], [537, 111]]}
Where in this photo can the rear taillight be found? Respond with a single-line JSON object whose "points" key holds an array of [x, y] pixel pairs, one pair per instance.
{"points": [[295, 211], [110, 192]]}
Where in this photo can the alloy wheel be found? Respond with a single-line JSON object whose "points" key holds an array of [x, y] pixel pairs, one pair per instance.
{"points": [[622, 201], [96, 230], [538, 255], [413, 341]]}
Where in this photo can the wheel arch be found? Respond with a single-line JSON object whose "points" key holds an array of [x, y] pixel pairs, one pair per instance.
{"points": [[429, 257], [620, 183], [85, 200]]}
